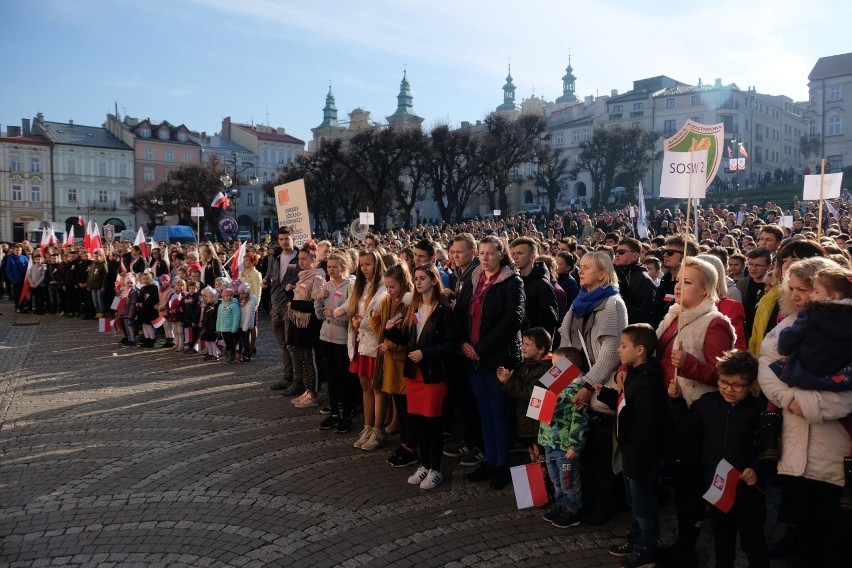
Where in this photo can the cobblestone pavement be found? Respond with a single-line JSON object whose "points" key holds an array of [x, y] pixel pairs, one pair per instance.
{"points": [[115, 456]]}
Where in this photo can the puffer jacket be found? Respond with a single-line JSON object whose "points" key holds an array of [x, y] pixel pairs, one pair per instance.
{"points": [[812, 447], [228, 317]]}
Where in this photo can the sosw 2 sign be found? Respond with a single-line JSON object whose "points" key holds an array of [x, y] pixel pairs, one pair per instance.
{"points": [[684, 174]]}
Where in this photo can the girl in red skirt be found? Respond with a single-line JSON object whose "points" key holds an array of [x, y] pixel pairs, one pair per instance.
{"points": [[366, 296], [429, 332]]}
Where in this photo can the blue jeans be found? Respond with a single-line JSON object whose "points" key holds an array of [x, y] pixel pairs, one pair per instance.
{"points": [[642, 496], [130, 328], [98, 300], [565, 475], [494, 414]]}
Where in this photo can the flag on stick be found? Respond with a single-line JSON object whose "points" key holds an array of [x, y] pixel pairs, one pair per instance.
{"points": [[542, 404], [220, 201], [723, 490], [237, 261], [140, 242], [560, 375], [187, 335], [743, 152], [158, 321], [69, 237], [528, 482], [642, 217], [104, 325]]}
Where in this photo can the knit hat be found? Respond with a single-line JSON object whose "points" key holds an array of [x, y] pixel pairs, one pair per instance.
{"points": [[208, 291]]}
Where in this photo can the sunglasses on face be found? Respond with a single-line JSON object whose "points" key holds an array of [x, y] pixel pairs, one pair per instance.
{"points": [[672, 252], [619, 252]]}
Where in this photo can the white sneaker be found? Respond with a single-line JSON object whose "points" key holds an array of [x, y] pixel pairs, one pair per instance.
{"points": [[418, 476], [432, 480], [365, 435], [375, 441]]}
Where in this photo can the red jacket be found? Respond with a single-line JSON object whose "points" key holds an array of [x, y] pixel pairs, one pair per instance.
{"points": [[717, 341], [736, 313]]}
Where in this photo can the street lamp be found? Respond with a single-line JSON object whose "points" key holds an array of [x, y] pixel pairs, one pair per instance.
{"points": [[229, 181]]}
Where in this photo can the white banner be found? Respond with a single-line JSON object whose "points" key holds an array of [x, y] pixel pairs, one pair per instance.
{"points": [[684, 174], [830, 188], [292, 204], [368, 218], [196, 211]]}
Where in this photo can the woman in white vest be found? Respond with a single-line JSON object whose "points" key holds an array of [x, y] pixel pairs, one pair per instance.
{"points": [[691, 336]]}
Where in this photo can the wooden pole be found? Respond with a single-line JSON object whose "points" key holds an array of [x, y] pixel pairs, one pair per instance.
{"points": [[821, 196], [683, 261]]}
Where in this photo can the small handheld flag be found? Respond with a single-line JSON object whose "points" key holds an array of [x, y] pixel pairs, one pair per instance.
{"points": [[528, 483], [104, 325], [158, 321], [560, 375], [542, 404], [723, 490]]}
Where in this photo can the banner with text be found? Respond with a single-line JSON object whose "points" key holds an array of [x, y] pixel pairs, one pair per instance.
{"points": [[693, 137], [684, 174], [292, 204]]}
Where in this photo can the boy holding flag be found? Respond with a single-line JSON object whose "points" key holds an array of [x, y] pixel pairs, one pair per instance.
{"points": [[727, 421]]}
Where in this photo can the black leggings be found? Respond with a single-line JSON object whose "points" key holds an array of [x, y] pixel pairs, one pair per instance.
{"points": [[406, 437], [430, 441], [333, 361]]}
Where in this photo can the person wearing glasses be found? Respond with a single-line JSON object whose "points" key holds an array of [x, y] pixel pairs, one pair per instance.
{"points": [[672, 258], [692, 336], [636, 287], [752, 287]]}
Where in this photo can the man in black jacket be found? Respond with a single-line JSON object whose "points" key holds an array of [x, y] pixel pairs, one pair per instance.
{"points": [[636, 287], [541, 307], [280, 280], [672, 257]]}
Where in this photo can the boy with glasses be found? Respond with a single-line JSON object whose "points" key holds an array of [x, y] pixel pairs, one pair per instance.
{"points": [[752, 288]]}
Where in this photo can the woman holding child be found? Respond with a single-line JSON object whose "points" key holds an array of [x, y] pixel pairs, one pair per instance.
{"points": [[593, 324]]}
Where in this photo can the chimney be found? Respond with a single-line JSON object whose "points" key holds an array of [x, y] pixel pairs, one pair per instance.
{"points": [[226, 127], [13, 131], [71, 121], [281, 131], [613, 93], [25, 126], [717, 83]]}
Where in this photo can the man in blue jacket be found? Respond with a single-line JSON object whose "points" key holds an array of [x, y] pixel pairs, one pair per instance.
{"points": [[16, 271]]}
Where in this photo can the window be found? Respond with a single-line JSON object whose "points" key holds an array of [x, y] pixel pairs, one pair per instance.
{"points": [[35, 165], [149, 154], [72, 195], [144, 132], [670, 103], [187, 157], [696, 100], [265, 155], [71, 166], [586, 133], [835, 93], [560, 138], [163, 134], [17, 194], [124, 198], [15, 165], [636, 125], [250, 198], [102, 169], [280, 156], [669, 128], [835, 163], [122, 170], [758, 132], [170, 156], [181, 136], [638, 106], [265, 177], [149, 174], [575, 136], [103, 195], [834, 126], [35, 193]]}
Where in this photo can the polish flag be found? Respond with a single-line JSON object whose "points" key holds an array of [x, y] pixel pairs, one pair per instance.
{"points": [[118, 304], [25, 291], [622, 403], [94, 238], [48, 237], [221, 201], [158, 321], [237, 261], [140, 242], [528, 482], [542, 404], [81, 220], [105, 325], [187, 335], [87, 237], [560, 375], [730, 153], [69, 237], [723, 490], [743, 152]]}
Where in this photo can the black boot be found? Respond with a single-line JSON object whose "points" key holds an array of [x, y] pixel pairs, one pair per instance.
{"points": [[770, 435], [846, 499], [483, 472]]}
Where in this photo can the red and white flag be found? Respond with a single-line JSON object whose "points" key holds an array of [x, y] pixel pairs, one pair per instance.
{"points": [[87, 237], [542, 404], [140, 242], [237, 261], [48, 237], [81, 220], [560, 375], [723, 490], [105, 325], [622, 402], [95, 238], [743, 152], [221, 201], [69, 237], [158, 321], [187, 335], [528, 482]]}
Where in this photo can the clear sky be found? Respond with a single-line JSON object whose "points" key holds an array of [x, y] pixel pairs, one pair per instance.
{"points": [[270, 61]]}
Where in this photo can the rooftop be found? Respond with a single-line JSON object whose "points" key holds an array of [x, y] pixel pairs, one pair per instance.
{"points": [[78, 135], [831, 66], [269, 136]]}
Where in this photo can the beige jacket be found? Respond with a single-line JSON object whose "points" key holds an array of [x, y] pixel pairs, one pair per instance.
{"points": [[812, 447]]}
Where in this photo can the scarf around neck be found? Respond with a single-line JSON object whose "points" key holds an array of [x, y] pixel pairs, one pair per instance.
{"points": [[585, 302]]}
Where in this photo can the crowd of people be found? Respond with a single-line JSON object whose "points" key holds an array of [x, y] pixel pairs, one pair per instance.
{"points": [[730, 348]]}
